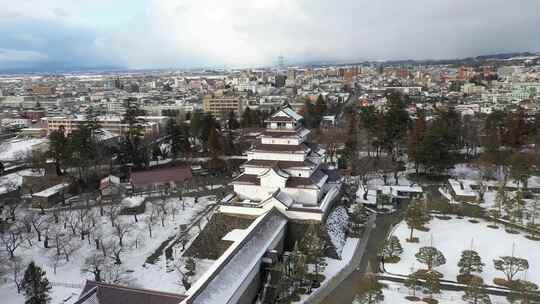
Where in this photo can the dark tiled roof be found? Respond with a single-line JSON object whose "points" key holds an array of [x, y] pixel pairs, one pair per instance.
{"points": [[280, 119], [315, 178], [248, 179], [333, 175], [280, 134], [102, 293], [160, 176], [279, 148], [281, 163]]}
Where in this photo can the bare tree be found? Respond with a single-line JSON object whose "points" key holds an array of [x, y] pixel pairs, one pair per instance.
{"points": [[121, 230], [112, 213], [39, 222], [11, 240], [95, 264], [160, 206], [16, 267], [111, 248]]}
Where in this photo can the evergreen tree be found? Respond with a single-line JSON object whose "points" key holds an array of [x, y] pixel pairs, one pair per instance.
{"points": [[520, 169], [232, 121], [368, 122], [511, 266], [247, 119], [392, 248], [59, 149], [35, 285], [215, 144], [470, 262], [475, 293], [133, 148], [501, 198], [515, 210], [373, 289], [433, 153], [416, 136], [523, 292], [299, 267], [357, 220], [312, 246], [430, 256], [432, 284], [396, 123], [416, 216], [412, 283]]}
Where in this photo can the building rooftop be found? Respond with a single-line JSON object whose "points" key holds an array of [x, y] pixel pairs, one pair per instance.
{"points": [[103, 293]]}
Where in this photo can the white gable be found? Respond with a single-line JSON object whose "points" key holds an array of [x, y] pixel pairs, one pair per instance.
{"points": [[274, 179], [289, 113]]}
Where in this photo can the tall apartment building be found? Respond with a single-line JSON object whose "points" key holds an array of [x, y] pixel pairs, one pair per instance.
{"points": [[42, 90], [223, 104]]}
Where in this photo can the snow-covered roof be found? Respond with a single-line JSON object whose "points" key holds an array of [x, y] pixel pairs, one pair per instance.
{"points": [[231, 271], [52, 190], [462, 187], [288, 112], [132, 202], [13, 149]]}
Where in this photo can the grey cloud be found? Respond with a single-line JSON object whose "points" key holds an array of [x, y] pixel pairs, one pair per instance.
{"points": [[192, 33]]}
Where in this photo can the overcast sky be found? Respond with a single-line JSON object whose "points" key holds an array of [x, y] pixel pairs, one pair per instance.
{"points": [[240, 33]]}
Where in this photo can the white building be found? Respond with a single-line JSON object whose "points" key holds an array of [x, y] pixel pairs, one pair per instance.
{"points": [[285, 171]]}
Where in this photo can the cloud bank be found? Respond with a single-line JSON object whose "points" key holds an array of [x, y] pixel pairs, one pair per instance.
{"points": [[194, 33]]}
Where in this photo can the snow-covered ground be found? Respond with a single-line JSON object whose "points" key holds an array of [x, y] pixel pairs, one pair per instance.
{"points": [[451, 237], [395, 293], [469, 172], [17, 148], [158, 276]]}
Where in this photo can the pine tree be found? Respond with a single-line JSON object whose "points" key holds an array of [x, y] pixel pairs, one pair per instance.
{"points": [[430, 256], [523, 292], [516, 209], [35, 285], [475, 293], [357, 221], [470, 262], [415, 138], [312, 246], [215, 145], [299, 267], [501, 198], [511, 266], [232, 121], [416, 217], [412, 283], [373, 289], [432, 284], [392, 248]]}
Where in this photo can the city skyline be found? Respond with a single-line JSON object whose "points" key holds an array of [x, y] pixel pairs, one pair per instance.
{"points": [[61, 34]]}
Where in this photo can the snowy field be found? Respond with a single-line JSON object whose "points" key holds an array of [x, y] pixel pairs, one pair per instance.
{"points": [[453, 236], [18, 148], [395, 293], [138, 246], [468, 172]]}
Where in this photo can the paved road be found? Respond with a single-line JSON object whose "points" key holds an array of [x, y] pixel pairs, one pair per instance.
{"points": [[346, 291]]}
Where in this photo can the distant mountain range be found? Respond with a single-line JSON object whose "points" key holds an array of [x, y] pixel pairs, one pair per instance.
{"points": [[62, 69], [456, 61]]}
